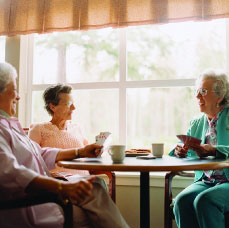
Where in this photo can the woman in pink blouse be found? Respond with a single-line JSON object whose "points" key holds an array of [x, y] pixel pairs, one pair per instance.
{"points": [[60, 131]]}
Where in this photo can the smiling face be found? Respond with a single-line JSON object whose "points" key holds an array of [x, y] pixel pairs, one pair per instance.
{"points": [[208, 102], [63, 111], [9, 98]]}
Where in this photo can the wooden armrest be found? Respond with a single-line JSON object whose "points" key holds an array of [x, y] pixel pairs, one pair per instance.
{"points": [[168, 197], [185, 174], [30, 200], [168, 183]]}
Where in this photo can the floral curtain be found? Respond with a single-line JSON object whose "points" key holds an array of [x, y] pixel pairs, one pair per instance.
{"points": [[43, 16]]}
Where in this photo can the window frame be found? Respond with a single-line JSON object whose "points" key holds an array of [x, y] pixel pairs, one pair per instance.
{"points": [[26, 87]]}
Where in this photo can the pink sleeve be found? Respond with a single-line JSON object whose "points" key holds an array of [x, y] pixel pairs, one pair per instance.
{"points": [[85, 141], [49, 155], [14, 177], [35, 133]]}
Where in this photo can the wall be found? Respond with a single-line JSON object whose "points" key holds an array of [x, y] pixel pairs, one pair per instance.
{"points": [[128, 197]]}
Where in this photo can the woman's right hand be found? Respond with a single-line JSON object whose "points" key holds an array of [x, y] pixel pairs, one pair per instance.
{"points": [[90, 151], [77, 191], [180, 151]]}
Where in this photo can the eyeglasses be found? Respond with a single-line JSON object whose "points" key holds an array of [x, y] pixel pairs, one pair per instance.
{"points": [[69, 104], [203, 92]]}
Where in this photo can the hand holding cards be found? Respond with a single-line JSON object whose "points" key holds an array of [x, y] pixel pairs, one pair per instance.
{"points": [[189, 143], [103, 139], [189, 140], [202, 150]]}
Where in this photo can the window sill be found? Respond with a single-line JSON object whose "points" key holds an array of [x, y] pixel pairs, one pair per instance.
{"points": [[157, 179]]}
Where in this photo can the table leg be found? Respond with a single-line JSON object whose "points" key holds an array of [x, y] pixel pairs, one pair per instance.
{"points": [[144, 200]]}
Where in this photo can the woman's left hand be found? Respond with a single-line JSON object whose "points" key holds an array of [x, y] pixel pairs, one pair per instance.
{"points": [[203, 150]]}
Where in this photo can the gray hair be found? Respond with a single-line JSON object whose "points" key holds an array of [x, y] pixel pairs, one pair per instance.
{"points": [[220, 86], [52, 95], [7, 74]]}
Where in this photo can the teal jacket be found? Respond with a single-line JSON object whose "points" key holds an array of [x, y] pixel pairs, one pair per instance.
{"points": [[198, 129]]}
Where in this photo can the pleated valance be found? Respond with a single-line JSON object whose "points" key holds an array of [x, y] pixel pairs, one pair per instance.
{"points": [[43, 16]]}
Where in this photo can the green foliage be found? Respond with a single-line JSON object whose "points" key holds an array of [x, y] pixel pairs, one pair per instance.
{"points": [[164, 52], [91, 44]]}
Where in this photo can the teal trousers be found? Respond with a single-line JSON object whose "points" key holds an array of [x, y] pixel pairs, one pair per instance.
{"points": [[202, 205]]}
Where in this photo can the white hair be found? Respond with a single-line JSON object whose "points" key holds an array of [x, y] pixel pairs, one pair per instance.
{"points": [[7, 74], [220, 86]]}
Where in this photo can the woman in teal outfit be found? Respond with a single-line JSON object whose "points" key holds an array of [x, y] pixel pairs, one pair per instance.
{"points": [[204, 203]]}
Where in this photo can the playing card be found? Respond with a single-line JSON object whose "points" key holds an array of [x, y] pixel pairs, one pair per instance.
{"points": [[103, 139], [186, 139], [182, 138]]}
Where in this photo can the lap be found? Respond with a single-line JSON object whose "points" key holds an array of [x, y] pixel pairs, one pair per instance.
{"points": [[80, 218], [190, 192], [218, 194], [97, 180]]}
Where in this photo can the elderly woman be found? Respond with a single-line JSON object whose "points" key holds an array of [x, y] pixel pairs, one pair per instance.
{"points": [[24, 169], [60, 132], [204, 203]]}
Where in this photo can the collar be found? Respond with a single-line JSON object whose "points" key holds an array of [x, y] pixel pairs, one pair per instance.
{"points": [[215, 117], [4, 114], [212, 122], [11, 122]]}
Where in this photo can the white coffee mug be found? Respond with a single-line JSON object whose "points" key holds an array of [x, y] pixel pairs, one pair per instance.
{"points": [[158, 149], [117, 153]]}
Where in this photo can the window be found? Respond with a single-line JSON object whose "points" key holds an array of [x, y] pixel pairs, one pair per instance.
{"points": [[166, 55], [2, 48], [74, 57], [135, 82], [175, 51]]}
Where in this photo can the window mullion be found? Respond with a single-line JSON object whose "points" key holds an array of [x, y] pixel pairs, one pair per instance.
{"points": [[227, 44], [122, 88], [23, 109], [30, 71]]}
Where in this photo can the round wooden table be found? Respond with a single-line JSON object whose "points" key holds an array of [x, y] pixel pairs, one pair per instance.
{"points": [[132, 164]]}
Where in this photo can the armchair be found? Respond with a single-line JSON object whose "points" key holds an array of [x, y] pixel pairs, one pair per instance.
{"points": [[31, 200]]}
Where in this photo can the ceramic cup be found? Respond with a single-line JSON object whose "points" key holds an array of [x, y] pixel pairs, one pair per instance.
{"points": [[117, 153], [158, 149]]}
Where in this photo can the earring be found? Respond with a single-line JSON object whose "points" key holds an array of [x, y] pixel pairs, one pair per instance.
{"points": [[217, 105]]}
